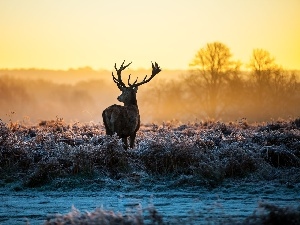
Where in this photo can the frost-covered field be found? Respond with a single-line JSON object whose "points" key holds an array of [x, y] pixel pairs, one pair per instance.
{"points": [[202, 157]]}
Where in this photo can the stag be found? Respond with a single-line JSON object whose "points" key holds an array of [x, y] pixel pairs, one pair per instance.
{"points": [[125, 120]]}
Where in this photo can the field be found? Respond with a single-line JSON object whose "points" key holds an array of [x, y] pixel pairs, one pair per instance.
{"points": [[204, 155]]}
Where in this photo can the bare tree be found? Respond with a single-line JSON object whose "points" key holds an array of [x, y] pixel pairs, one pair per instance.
{"points": [[212, 67], [273, 87], [263, 67], [125, 120]]}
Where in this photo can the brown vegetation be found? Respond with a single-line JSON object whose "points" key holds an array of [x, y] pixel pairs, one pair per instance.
{"points": [[59, 155], [106, 217], [266, 214], [203, 153]]}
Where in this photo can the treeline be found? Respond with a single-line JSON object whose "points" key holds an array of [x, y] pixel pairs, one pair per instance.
{"points": [[215, 87]]}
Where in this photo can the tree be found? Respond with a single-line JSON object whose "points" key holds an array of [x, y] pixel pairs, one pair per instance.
{"points": [[212, 67], [263, 66], [273, 86]]}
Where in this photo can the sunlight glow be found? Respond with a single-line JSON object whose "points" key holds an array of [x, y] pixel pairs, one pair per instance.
{"points": [[57, 34]]}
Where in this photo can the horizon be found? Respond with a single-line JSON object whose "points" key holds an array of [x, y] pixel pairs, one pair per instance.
{"points": [[58, 35], [91, 69]]}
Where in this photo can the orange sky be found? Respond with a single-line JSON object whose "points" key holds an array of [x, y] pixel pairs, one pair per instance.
{"points": [[59, 34]]}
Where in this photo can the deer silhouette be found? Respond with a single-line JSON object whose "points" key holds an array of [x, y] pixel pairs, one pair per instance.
{"points": [[125, 120]]}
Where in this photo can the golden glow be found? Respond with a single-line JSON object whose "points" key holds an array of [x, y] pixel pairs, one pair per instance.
{"points": [[59, 34]]}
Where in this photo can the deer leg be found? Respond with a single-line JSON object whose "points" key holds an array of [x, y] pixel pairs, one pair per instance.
{"points": [[125, 144], [132, 138]]}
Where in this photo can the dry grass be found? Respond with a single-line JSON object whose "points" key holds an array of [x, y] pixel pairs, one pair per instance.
{"points": [[202, 153], [268, 214], [105, 217], [265, 214], [206, 152]]}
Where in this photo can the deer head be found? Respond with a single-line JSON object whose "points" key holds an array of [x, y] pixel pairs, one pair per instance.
{"points": [[128, 96]]}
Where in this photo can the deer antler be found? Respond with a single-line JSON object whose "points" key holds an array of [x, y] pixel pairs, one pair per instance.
{"points": [[118, 80], [155, 70]]}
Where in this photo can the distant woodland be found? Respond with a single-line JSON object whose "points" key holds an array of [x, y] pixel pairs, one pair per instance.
{"points": [[215, 87]]}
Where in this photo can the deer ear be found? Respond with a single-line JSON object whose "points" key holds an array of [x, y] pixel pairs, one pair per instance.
{"points": [[136, 89]]}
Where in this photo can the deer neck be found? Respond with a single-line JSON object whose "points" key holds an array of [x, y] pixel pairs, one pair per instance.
{"points": [[132, 102], [131, 99]]}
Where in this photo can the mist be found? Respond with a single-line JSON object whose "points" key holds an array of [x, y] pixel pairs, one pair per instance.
{"points": [[32, 96], [77, 95]]}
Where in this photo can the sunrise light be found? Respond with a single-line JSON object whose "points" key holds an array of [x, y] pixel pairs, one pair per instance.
{"points": [[71, 34]]}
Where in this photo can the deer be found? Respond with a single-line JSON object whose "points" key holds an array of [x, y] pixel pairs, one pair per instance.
{"points": [[125, 120]]}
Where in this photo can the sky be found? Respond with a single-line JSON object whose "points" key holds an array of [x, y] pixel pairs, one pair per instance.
{"points": [[63, 34]]}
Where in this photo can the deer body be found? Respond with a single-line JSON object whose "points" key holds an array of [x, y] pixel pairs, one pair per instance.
{"points": [[125, 120]]}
